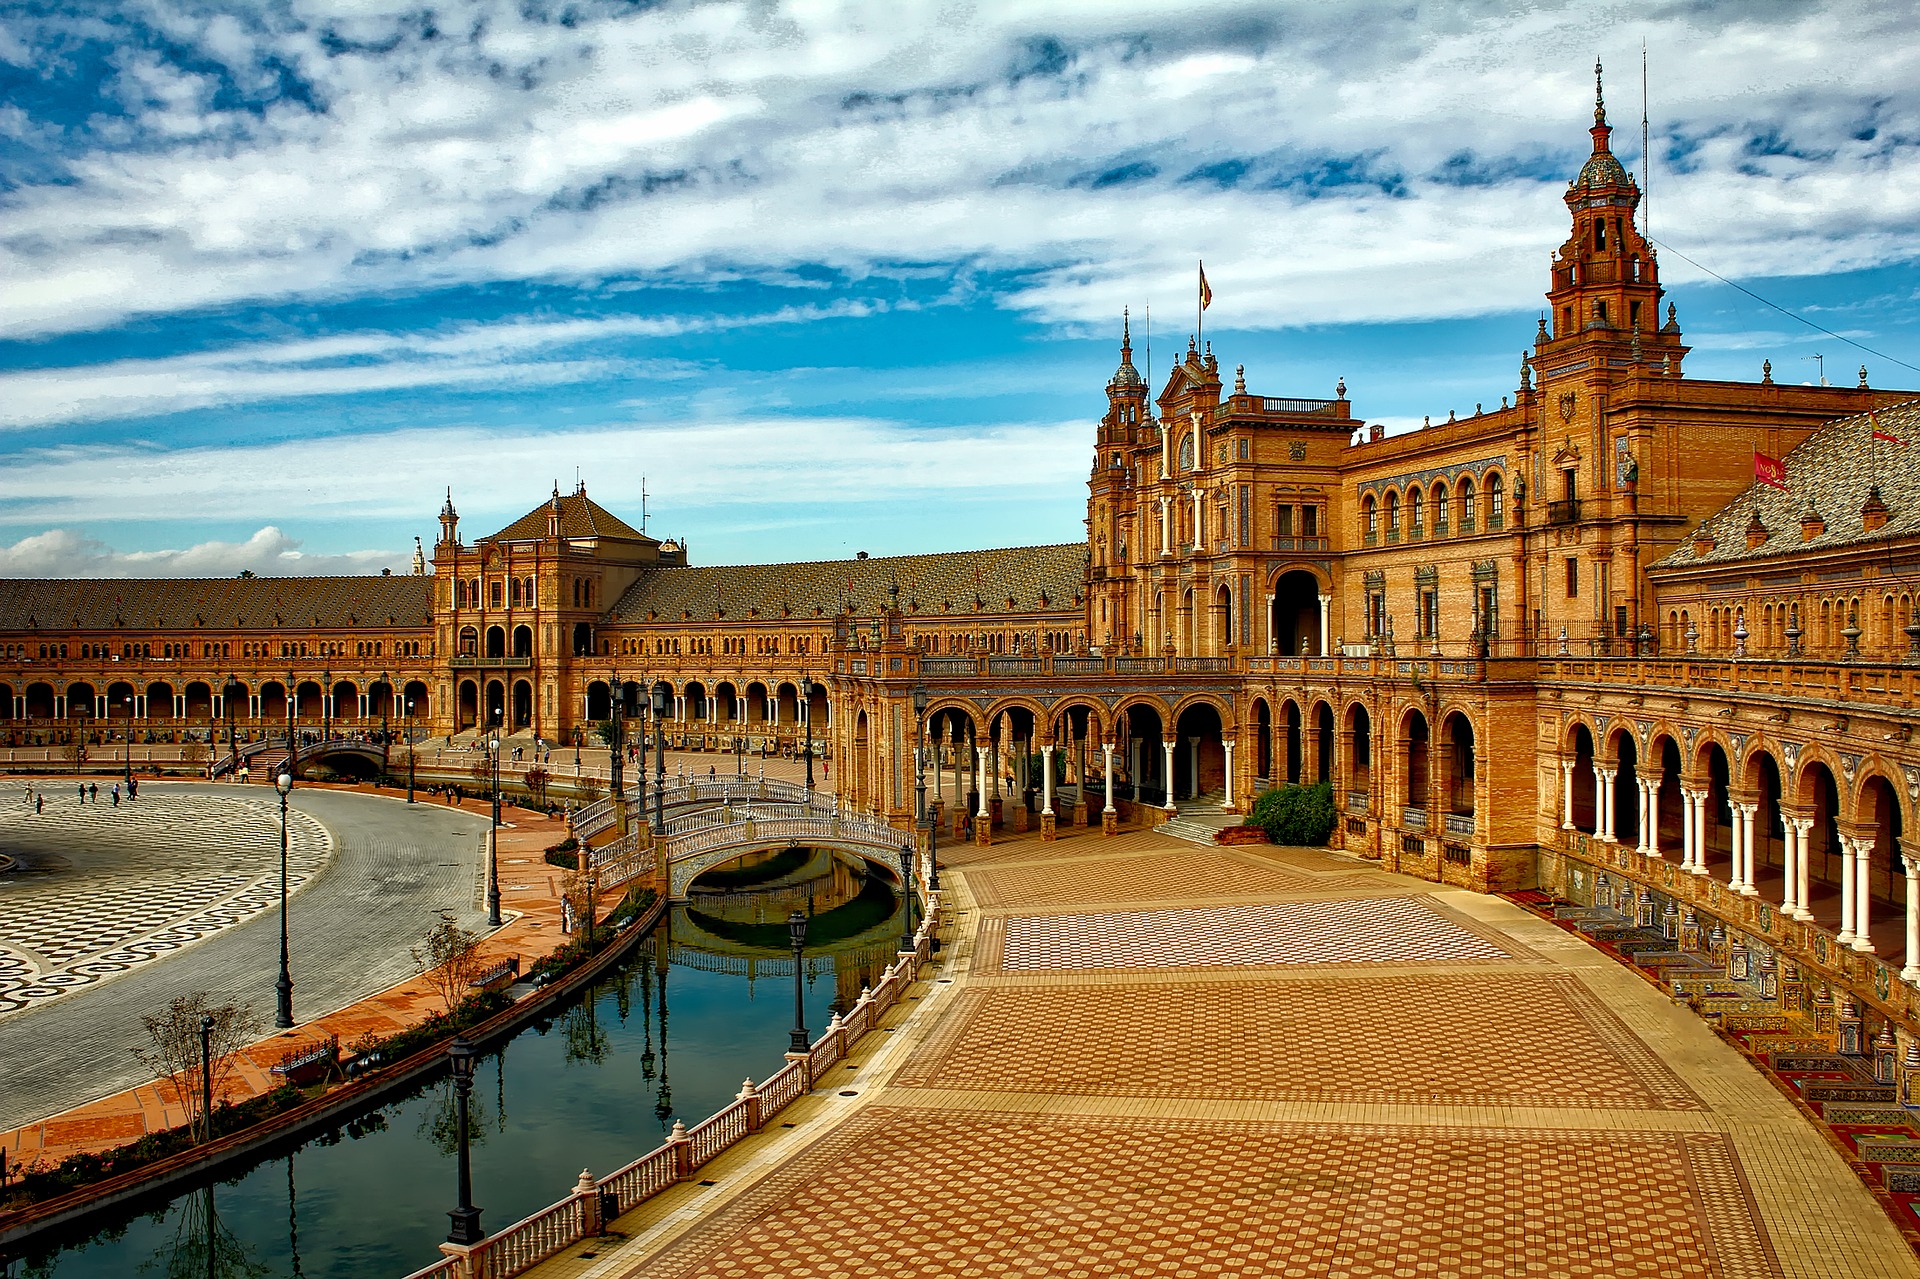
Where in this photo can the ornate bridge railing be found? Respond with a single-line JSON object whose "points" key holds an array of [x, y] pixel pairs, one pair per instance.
{"points": [[528, 1242], [593, 819]]}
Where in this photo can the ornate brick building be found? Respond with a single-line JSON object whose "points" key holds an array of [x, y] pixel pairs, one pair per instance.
{"points": [[1717, 676]]}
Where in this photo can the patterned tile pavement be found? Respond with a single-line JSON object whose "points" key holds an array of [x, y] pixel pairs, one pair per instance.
{"points": [[1515, 1039], [107, 888], [1194, 872], [899, 1191], [1381, 930]]}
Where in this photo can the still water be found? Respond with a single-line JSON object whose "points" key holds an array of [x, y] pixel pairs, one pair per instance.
{"points": [[703, 1003]]}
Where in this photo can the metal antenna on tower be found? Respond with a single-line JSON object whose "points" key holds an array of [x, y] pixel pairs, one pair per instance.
{"points": [[1646, 153], [643, 504]]}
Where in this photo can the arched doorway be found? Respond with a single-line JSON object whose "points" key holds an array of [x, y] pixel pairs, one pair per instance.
{"points": [[1585, 793], [1199, 759], [1294, 744], [1819, 800], [523, 641], [1323, 743], [1416, 759], [1294, 619], [522, 705], [1263, 740], [1460, 765], [469, 715], [496, 703]]}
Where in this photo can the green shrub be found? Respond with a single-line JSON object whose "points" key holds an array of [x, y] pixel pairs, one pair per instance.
{"points": [[1299, 816], [563, 858]]}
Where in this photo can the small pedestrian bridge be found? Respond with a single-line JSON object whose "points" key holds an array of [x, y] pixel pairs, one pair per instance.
{"points": [[736, 816]]}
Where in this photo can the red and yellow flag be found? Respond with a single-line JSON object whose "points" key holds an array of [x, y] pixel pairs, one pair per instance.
{"points": [[1769, 470], [1206, 291], [1880, 433]]}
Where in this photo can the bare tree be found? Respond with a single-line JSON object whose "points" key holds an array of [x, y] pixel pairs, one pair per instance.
{"points": [[173, 1054], [589, 788], [193, 751], [537, 779], [449, 961], [75, 749]]}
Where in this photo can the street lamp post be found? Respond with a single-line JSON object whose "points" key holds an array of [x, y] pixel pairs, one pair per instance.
{"points": [[466, 1218], [206, 1077], [233, 746], [906, 886], [617, 743], [659, 760], [129, 751], [409, 750], [283, 989], [326, 705], [385, 708], [922, 816], [797, 936], [806, 724], [293, 755], [493, 839]]}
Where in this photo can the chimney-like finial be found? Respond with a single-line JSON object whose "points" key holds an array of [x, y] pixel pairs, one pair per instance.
{"points": [[1599, 99]]}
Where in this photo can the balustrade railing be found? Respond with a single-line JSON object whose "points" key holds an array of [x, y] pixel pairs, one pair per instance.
{"points": [[1413, 818], [1460, 823], [1198, 665], [718, 1132], [594, 818]]}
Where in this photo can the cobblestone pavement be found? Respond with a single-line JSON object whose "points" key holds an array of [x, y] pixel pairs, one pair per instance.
{"points": [[103, 887], [1169, 1079], [377, 871]]}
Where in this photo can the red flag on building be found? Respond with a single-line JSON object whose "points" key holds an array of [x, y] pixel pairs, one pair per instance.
{"points": [[1769, 470], [1206, 290], [1879, 433]]}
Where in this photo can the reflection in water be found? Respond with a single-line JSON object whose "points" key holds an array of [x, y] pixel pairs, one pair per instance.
{"points": [[202, 1247], [369, 1197]]}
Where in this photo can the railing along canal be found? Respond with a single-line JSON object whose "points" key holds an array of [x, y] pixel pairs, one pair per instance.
{"points": [[552, 1230]]}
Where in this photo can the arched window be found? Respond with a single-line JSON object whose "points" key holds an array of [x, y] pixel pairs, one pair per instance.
{"points": [[1393, 516], [1416, 511], [1370, 514], [1440, 510], [1467, 507], [1496, 501]]}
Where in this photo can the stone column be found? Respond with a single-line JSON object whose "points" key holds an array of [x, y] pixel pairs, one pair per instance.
{"points": [[1846, 935], [1273, 645], [980, 766], [1193, 765], [1326, 624], [1046, 780], [1862, 899], [1566, 794], [1226, 744], [1700, 798], [1789, 867], [1166, 527], [1734, 880], [1166, 745], [1199, 523], [1910, 972], [1106, 750], [1803, 890], [1604, 801], [1747, 887], [1689, 858]]}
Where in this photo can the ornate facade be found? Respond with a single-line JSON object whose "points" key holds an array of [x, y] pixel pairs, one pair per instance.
{"points": [[1716, 676]]}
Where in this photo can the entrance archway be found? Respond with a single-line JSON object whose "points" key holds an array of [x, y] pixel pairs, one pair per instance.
{"points": [[1294, 617]]}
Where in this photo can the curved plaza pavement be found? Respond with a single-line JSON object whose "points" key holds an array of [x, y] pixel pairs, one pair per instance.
{"points": [[118, 910], [1144, 1057]]}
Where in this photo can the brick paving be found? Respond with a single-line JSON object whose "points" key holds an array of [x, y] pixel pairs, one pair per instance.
{"points": [[1398, 1079]]}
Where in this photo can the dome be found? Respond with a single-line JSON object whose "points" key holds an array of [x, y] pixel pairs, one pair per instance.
{"points": [[1126, 378], [1602, 170]]}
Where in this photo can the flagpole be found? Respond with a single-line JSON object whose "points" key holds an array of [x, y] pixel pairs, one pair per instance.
{"points": [[1200, 309]]}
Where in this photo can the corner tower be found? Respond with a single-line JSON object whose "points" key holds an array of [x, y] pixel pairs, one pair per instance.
{"points": [[1604, 297], [1109, 496]]}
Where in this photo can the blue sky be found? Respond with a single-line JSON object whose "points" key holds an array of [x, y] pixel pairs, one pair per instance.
{"points": [[273, 276]]}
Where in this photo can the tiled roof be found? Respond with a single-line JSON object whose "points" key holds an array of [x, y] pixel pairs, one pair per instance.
{"points": [[221, 603], [580, 516], [938, 583], [1830, 471]]}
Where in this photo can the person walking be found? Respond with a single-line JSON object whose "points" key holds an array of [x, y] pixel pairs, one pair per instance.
{"points": [[133, 788], [83, 792], [116, 794], [93, 791], [38, 802]]}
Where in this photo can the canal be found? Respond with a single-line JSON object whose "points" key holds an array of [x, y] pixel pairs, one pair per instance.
{"points": [[701, 1004]]}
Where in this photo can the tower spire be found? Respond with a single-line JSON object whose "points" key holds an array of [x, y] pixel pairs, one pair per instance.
{"points": [[1599, 98]]}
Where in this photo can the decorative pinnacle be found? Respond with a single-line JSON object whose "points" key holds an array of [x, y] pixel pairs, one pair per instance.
{"points": [[1599, 101]]}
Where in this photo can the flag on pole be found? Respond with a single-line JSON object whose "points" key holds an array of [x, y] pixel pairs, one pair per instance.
{"points": [[1880, 433], [1769, 470], [1206, 291]]}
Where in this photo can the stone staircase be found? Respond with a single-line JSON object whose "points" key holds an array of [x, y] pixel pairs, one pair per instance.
{"points": [[1199, 818]]}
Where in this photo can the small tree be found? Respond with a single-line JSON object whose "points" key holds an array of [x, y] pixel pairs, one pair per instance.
{"points": [[603, 731], [75, 749], [193, 751], [173, 1052], [537, 779], [449, 961], [590, 788], [482, 770]]}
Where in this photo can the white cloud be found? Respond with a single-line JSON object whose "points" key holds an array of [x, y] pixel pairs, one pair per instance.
{"points": [[713, 466], [62, 552], [475, 355], [747, 138]]}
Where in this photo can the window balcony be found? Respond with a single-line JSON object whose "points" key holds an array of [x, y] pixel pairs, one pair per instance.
{"points": [[1564, 512]]}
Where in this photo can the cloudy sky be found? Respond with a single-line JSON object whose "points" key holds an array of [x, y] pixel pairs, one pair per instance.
{"points": [[275, 274]]}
